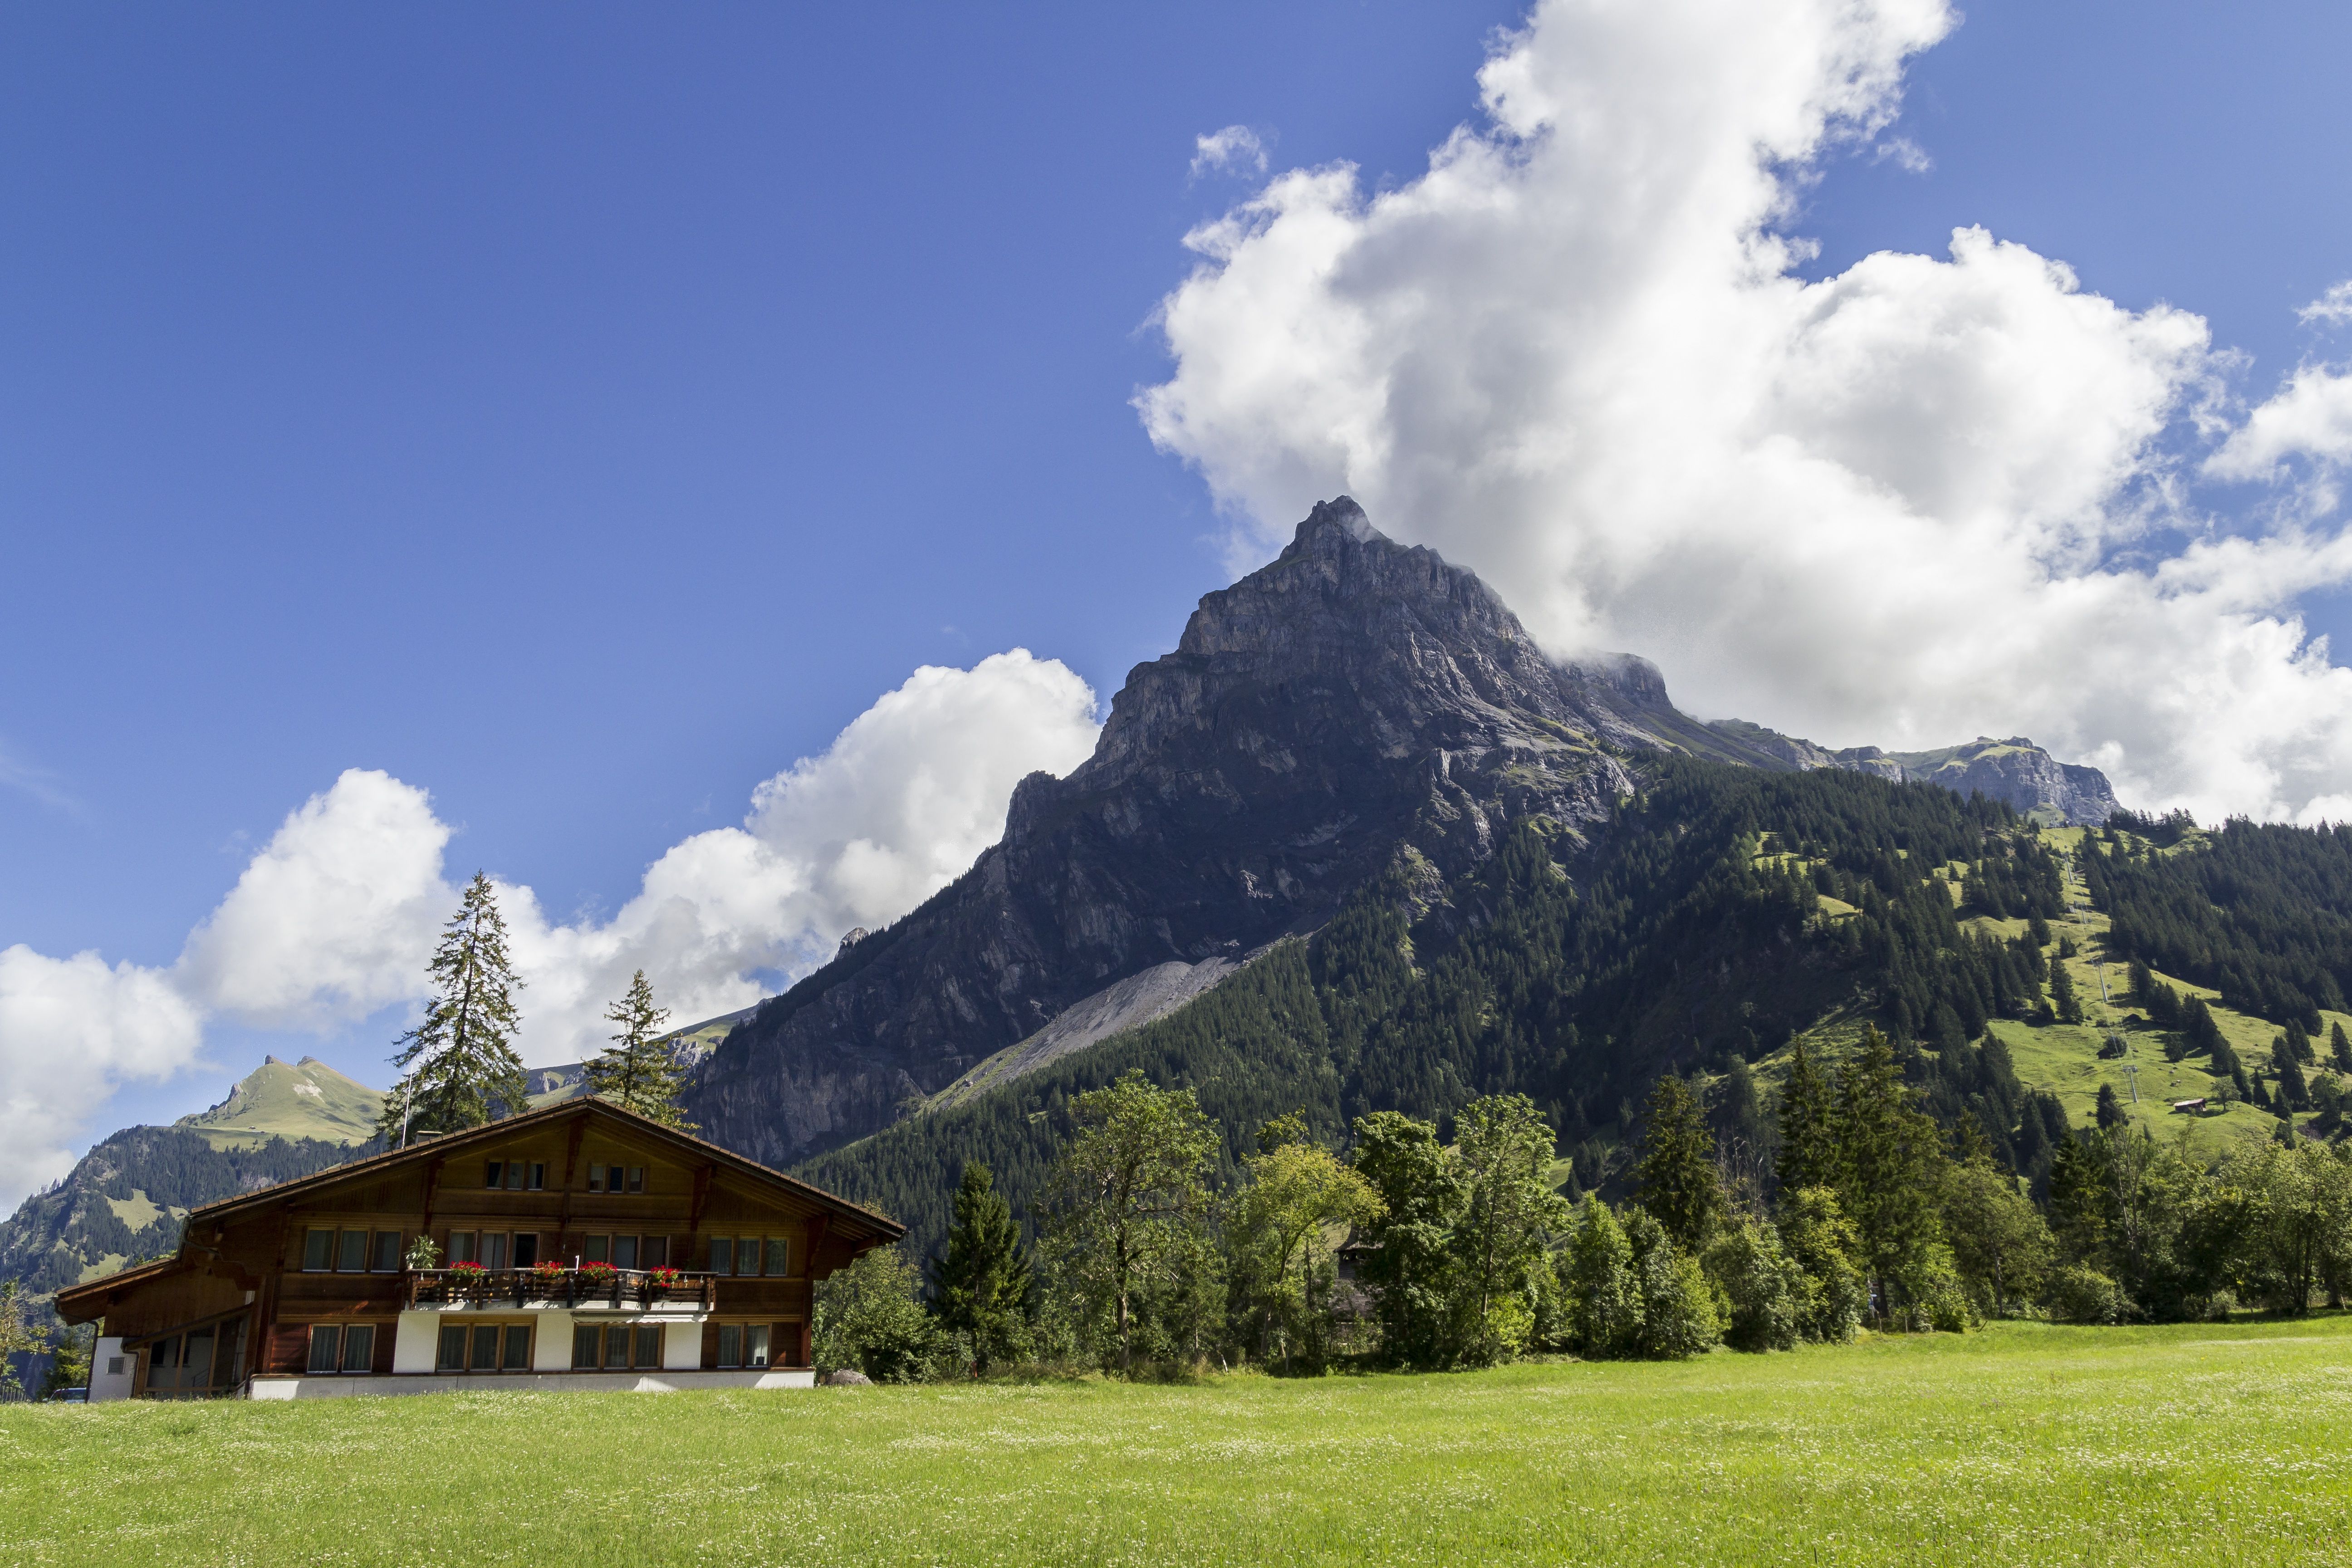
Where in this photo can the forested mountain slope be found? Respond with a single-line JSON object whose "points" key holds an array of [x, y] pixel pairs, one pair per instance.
{"points": [[1710, 920]]}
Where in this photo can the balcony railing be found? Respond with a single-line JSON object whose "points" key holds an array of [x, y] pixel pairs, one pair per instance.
{"points": [[618, 1288]]}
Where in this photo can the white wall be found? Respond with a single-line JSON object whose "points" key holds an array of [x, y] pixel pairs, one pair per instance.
{"points": [[552, 1350], [681, 1347], [105, 1383], [414, 1341]]}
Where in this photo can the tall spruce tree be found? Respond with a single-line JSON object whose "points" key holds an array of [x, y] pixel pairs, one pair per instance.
{"points": [[1893, 1155], [2109, 1110], [636, 1071], [1809, 1147], [460, 1064], [1675, 1175], [2339, 1048], [982, 1283]]}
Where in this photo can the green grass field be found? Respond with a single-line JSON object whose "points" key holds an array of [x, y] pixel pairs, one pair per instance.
{"points": [[2020, 1444]]}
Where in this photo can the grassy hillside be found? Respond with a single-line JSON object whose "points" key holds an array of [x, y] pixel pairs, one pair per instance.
{"points": [[302, 1099], [2021, 1444]]}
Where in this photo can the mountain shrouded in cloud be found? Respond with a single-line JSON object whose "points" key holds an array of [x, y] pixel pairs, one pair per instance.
{"points": [[1927, 497], [335, 917]]}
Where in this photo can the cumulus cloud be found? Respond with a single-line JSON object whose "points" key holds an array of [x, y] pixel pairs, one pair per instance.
{"points": [[1925, 498], [326, 923], [899, 807], [71, 1032], [335, 917], [1235, 150]]}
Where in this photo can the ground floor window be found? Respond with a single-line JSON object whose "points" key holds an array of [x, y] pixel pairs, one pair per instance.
{"points": [[483, 1347], [616, 1347], [343, 1347], [742, 1344]]}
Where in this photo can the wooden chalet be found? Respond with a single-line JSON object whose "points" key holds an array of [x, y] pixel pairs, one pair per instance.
{"points": [[580, 1245]]}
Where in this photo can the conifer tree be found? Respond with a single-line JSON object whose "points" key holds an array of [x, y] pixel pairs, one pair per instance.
{"points": [[2110, 1110], [2298, 1043], [1808, 1133], [982, 1283], [2339, 1048], [1675, 1175], [636, 1071], [2294, 1092], [1891, 1154], [460, 1063], [2061, 993]]}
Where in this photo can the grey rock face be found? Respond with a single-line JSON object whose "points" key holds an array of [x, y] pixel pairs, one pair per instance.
{"points": [[2033, 782], [1349, 699]]}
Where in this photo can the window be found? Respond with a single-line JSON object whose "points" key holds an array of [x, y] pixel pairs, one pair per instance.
{"points": [[483, 1356], [625, 1252], [358, 1348], [461, 1247], [755, 1345], [744, 1344], [722, 1254], [515, 1173], [352, 1256], [452, 1354], [538, 1180], [730, 1345], [318, 1251], [653, 1252], [747, 1256], [387, 1252], [595, 1178], [114, 1366], [636, 1178], [494, 1249], [778, 1256], [494, 1173], [526, 1249], [517, 1355], [616, 1347], [326, 1347], [596, 1248]]}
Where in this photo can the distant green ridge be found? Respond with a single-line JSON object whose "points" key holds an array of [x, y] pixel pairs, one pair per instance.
{"points": [[302, 1100], [689, 1045]]}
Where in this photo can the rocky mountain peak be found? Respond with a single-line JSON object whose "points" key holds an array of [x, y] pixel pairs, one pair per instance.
{"points": [[1353, 699]]}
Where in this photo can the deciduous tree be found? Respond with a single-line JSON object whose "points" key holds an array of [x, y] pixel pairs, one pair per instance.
{"points": [[1127, 1193]]}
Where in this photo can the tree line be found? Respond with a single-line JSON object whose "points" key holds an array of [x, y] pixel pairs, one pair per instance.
{"points": [[1411, 1249]]}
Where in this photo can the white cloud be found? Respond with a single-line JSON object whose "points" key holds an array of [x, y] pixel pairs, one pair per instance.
{"points": [[327, 922], [898, 807], [1235, 150], [72, 1031], [1925, 498], [336, 916], [2333, 309], [2311, 416]]}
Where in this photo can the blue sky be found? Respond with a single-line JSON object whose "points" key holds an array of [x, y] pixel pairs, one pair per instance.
{"points": [[580, 413]]}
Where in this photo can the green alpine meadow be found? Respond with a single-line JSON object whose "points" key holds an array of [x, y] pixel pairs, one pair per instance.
{"points": [[2199, 1444]]}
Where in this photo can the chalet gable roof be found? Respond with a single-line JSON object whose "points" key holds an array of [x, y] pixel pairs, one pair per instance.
{"points": [[640, 1129]]}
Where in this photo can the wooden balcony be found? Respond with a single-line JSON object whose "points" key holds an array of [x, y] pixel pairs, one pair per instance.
{"points": [[628, 1289]]}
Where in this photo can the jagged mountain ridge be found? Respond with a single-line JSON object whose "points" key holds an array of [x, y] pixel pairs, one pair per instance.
{"points": [[1353, 701], [2037, 785]]}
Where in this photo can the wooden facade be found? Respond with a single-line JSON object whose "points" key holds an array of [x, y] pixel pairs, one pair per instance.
{"points": [[577, 1242]]}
